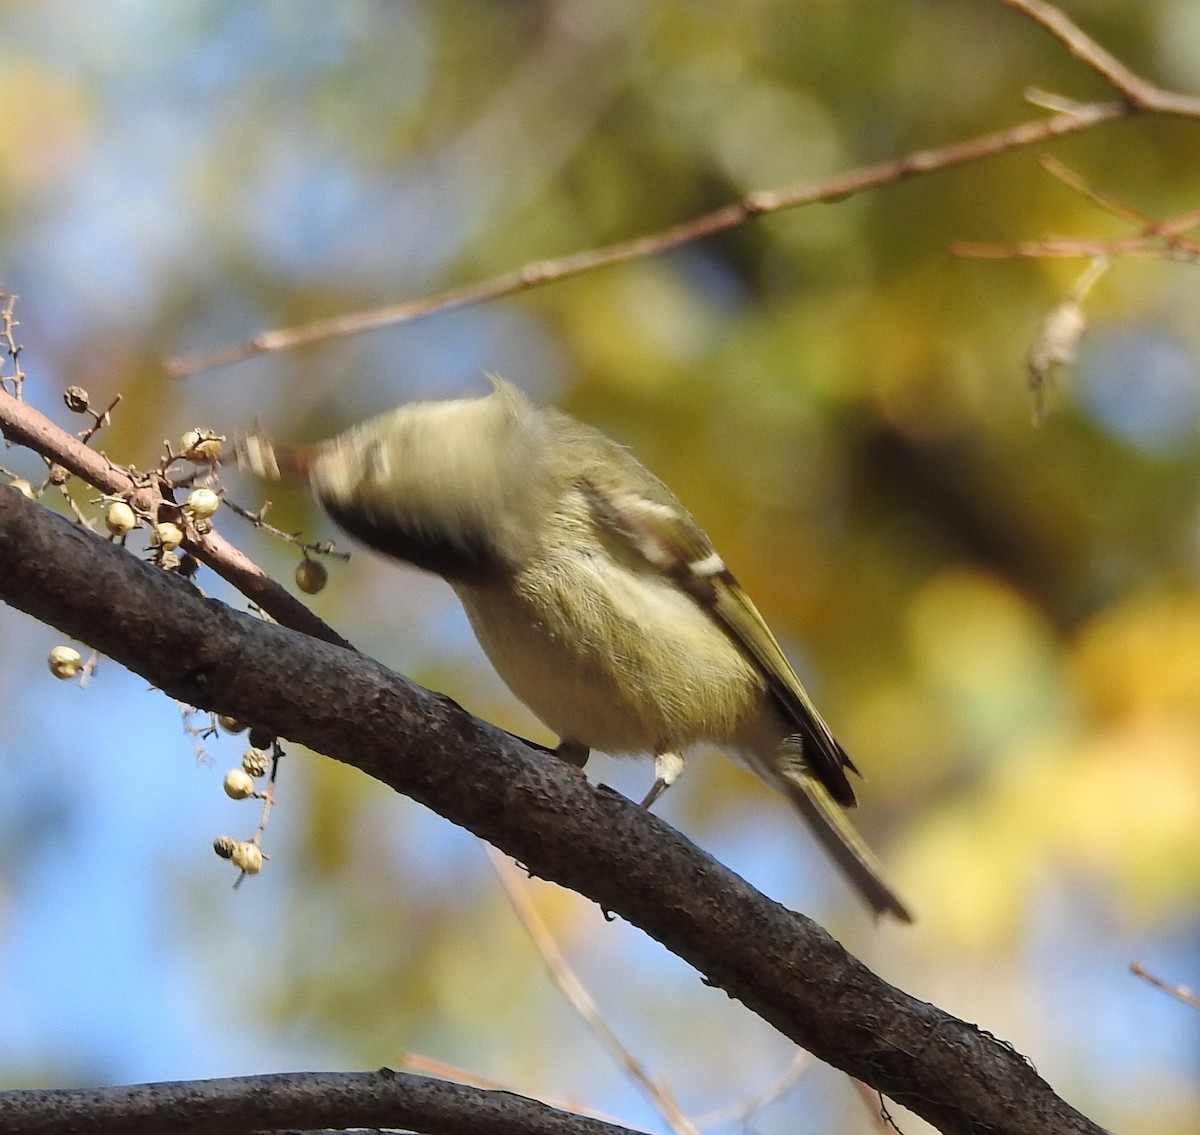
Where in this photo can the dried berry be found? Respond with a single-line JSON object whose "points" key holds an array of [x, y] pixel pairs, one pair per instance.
{"points": [[64, 662], [202, 503], [119, 519], [311, 576], [168, 535], [224, 846], [76, 399], [248, 857], [238, 784], [256, 762]]}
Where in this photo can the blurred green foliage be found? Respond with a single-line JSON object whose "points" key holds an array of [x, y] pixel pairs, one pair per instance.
{"points": [[1002, 622]]}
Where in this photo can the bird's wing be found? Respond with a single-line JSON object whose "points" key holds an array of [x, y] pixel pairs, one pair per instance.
{"points": [[656, 528]]}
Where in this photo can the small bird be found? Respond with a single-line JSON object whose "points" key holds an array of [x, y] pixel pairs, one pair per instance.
{"points": [[598, 599]]}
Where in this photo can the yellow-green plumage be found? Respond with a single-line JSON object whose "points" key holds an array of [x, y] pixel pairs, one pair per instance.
{"points": [[599, 600]]}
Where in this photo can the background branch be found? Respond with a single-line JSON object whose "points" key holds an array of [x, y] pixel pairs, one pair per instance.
{"points": [[1179, 992], [1138, 96], [540, 811], [577, 995], [1164, 239], [1140, 93], [540, 272]]}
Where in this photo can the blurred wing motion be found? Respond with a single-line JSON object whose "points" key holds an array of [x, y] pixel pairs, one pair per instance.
{"points": [[274, 462]]}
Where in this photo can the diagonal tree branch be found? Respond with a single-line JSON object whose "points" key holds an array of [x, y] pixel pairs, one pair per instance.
{"points": [[545, 814]]}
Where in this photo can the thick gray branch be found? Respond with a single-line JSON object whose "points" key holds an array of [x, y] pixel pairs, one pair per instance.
{"points": [[781, 965], [302, 1101]]}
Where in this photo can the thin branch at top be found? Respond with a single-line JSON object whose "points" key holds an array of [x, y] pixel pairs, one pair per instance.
{"points": [[1084, 48], [1138, 95], [1165, 239], [1105, 201], [1142, 94]]}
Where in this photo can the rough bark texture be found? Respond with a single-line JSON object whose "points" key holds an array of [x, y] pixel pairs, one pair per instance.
{"points": [[540, 811], [297, 1102]]}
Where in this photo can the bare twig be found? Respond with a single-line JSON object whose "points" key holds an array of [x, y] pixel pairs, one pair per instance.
{"points": [[1138, 95], [81, 517], [1164, 239], [1100, 199], [418, 1063], [876, 1105], [1185, 251], [443, 1071], [8, 325], [1179, 992], [568, 983], [259, 520], [267, 795], [540, 272], [100, 418], [744, 1110], [21, 423], [197, 734]]}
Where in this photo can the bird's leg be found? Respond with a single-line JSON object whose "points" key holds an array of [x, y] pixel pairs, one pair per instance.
{"points": [[667, 767], [572, 752]]}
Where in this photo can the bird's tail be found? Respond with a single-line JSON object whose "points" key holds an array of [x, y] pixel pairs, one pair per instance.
{"points": [[843, 843]]}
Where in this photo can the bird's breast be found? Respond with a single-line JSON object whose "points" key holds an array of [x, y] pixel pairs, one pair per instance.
{"points": [[617, 659]]}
